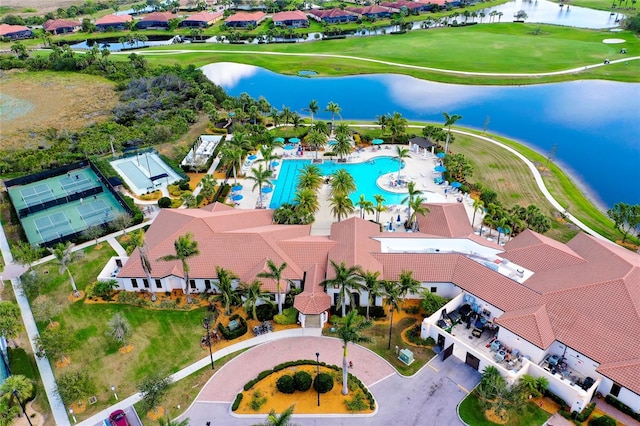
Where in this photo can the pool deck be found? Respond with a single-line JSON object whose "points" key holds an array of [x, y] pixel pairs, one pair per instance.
{"points": [[418, 168]]}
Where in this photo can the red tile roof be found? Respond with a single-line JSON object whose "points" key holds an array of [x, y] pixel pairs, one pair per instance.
{"points": [[355, 245], [56, 24], [539, 253], [531, 322], [114, 19], [374, 9], [246, 16], [330, 13], [6, 29], [627, 371], [446, 220], [313, 300], [290, 15], [159, 16]]}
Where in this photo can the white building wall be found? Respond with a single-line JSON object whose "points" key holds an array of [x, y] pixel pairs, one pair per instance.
{"points": [[625, 396], [576, 397], [526, 348], [575, 360]]}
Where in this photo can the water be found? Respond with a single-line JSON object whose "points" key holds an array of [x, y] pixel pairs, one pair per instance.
{"points": [[595, 124], [546, 12], [364, 174], [115, 46]]}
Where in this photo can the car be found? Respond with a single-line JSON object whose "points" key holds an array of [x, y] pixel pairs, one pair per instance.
{"points": [[119, 418]]}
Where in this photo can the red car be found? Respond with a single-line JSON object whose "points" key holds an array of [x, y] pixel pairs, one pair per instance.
{"points": [[119, 418]]}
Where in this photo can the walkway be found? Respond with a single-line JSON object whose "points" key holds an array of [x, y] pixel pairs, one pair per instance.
{"points": [[428, 398], [393, 64]]}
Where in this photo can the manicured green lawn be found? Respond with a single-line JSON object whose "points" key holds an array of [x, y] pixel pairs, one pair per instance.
{"points": [[472, 413], [498, 48]]}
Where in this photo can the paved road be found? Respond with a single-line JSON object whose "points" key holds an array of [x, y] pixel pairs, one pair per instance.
{"points": [[428, 398]]}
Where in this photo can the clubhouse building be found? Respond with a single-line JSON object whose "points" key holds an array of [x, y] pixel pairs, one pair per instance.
{"points": [[567, 312]]}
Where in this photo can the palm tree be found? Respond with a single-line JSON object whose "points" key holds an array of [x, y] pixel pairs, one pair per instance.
{"points": [[348, 331], [407, 284], [401, 154], [226, 295], [383, 122], [286, 115], [397, 125], [477, 205], [232, 155], [313, 108], [261, 177], [343, 145], [365, 206], [449, 120], [418, 209], [208, 186], [64, 256], [254, 294], [412, 194], [168, 422], [373, 286], [503, 227], [185, 248], [342, 183], [392, 299], [284, 419], [321, 127], [334, 109], [137, 240], [310, 178], [347, 279], [343, 129], [266, 151], [379, 207], [341, 205], [18, 383], [275, 273], [274, 114], [306, 201]]}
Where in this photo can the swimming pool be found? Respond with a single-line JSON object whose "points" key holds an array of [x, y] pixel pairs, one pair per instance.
{"points": [[365, 174]]}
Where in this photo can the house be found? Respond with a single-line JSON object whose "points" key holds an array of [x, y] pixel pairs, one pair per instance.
{"points": [[15, 32], [371, 12], [155, 20], [114, 22], [201, 19], [409, 6], [333, 16], [441, 4], [291, 19], [567, 312], [61, 26], [245, 19]]}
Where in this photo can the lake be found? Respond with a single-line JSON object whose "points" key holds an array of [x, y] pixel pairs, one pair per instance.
{"points": [[594, 124]]}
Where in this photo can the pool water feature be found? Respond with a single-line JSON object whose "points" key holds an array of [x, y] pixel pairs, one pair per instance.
{"points": [[138, 170], [365, 175]]}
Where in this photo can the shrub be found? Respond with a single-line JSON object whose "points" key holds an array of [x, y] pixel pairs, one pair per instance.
{"points": [[236, 402], [265, 312], [20, 363], [288, 316], [602, 421], [323, 383], [375, 312], [622, 406], [257, 400], [164, 202], [584, 415], [302, 381], [286, 384], [412, 310], [265, 373], [233, 334], [356, 403], [250, 384], [413, 336]]}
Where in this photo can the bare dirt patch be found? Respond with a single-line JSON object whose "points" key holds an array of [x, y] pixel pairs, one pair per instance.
{"points": [[41, 6], [36, 102]]}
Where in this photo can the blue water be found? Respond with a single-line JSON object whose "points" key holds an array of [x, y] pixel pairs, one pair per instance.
{"points": [[594, 124], [364, 174]]}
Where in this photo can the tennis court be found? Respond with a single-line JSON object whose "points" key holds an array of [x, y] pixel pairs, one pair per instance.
{"points": [[53, 226], [36, 194], [95, 213], [77, 182]]}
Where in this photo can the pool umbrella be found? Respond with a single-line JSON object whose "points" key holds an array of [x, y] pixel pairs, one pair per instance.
{"points": [[390, 226], [398, 219], [289, 147], [294, 140], [267, 189], [274, 164], [332, 142], [252, 157], [441, 155], [236, 188], [278, 140], [456, 185], [503, 230], [440, 169], [377, 141], [237, 197]]}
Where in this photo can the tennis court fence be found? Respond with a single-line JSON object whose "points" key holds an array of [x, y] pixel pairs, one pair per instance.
{"points": [[26, 211]]}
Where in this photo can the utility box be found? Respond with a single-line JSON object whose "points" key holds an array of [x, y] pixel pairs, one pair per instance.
{"points": [[406, 356]]}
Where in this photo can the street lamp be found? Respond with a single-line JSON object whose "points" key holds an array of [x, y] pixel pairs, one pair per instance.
{"points": [[73, 415], [113, 389], [15, 393], [207, 320], [317, 374]]}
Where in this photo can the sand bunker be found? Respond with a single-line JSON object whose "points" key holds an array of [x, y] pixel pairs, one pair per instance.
{"points": [[613, 40]]}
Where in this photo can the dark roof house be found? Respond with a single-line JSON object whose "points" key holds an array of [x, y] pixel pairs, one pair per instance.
{"points": [[61, 26], [201, 19], [15, 32], [290, 19], [155, 20], [114, 22], [333, 16], [372, 12]]}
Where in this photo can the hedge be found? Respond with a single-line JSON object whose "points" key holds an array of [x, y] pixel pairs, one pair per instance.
{"points": [[375, 312], [584, 414], [265, 312], [21, 364], [622, 406], [236, 402], [288, 316], [233, 334]]}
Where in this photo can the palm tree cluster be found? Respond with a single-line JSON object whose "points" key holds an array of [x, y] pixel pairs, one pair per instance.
{"points": [[342, 184], [514, 220], [305, 204]]}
